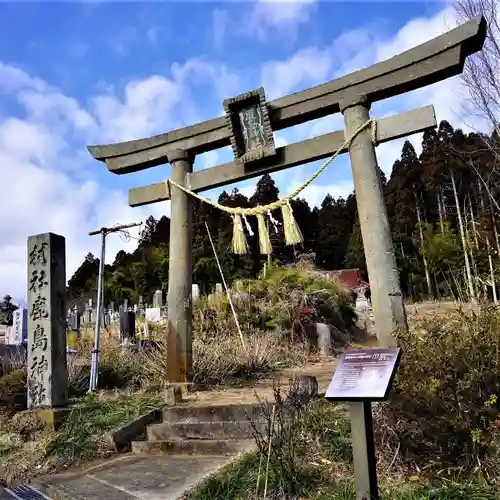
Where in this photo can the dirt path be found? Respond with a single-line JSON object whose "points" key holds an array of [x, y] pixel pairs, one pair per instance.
{"points": [[263, 389]]}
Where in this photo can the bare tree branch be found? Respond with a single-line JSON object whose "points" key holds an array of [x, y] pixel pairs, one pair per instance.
{"points": [[481, 74]]}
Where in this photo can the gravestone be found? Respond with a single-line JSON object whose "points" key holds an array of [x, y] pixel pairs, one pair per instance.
{"points": [[112, 306], [47, 376], [158, 299], [89, 312], [127, 326], [4, 334], [125, 305], [324, 339], [153, 314], [75, 319], [362, 304], [20, 326], [107, 318], [195, 291], [218, 289]]}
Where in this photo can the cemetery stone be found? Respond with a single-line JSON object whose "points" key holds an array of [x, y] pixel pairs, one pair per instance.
{"points": [[4, 334], [153, 314], [158, 299], [47, 369], [324, 339], [20, 326], [127, 326]]}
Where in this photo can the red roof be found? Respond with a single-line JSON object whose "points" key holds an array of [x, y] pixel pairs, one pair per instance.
{"points": [[350, 278]]}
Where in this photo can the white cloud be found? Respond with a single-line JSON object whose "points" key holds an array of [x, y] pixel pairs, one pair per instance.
{"points": [[147, 105], [278, 15], [42, 194], [53, 184], [305, 68]]}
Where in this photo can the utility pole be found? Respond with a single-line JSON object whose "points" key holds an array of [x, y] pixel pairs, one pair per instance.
{"points": [[104, 231]]}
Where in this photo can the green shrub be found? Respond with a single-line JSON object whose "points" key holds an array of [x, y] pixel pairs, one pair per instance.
{"points": [[445, 404], [279, 299]]}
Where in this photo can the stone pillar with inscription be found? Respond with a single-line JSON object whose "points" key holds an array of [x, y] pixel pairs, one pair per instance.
{"points": [[47, 374]]}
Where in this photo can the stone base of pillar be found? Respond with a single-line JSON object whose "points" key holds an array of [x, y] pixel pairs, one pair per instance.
{"points": [[52, 418]]}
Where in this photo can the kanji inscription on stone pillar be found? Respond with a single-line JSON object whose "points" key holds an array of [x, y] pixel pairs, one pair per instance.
{"points": [[47, 376]]}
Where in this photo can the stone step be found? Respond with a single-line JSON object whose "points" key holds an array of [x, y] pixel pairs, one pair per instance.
{"points": [[239, 429], [219, 413], [192, 446]]}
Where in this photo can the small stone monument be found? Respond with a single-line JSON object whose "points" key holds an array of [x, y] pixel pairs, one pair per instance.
{"points": [[153, 314], [158, 299], [47, 373], [218, 289], [75, 319], [324, 339], [20, 326], [195, 291], [127, 326]]}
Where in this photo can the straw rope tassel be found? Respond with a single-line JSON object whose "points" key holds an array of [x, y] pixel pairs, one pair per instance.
{"points": [[293, 235], [239, 240], [264, 240]]}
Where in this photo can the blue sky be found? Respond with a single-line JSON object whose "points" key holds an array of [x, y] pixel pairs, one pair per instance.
{"points": [[77, 74]]}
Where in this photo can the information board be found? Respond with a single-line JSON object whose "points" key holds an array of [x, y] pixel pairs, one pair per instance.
{"points": [[364, 374]]}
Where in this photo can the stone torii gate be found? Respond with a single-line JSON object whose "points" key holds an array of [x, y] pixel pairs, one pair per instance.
{"points": [[256, 155]]}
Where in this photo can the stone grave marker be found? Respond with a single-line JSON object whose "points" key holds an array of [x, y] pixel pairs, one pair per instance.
{"points": [[153, 314], [47, 376], [195, 291], [4, 334], [127, 326], [158, 299], [20, 326]]}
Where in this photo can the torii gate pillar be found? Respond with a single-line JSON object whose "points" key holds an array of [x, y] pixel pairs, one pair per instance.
{"points": [[180, 274], [387, 299]]}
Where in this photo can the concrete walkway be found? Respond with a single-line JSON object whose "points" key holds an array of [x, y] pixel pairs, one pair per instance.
{"points": [[132, 477]]}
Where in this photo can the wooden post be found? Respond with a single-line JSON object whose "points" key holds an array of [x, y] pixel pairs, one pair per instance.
{"points": [[179, 307], [387, 299]]}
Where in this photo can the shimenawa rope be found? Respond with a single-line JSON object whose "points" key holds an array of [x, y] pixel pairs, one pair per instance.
{"points": [[293, 236]]}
